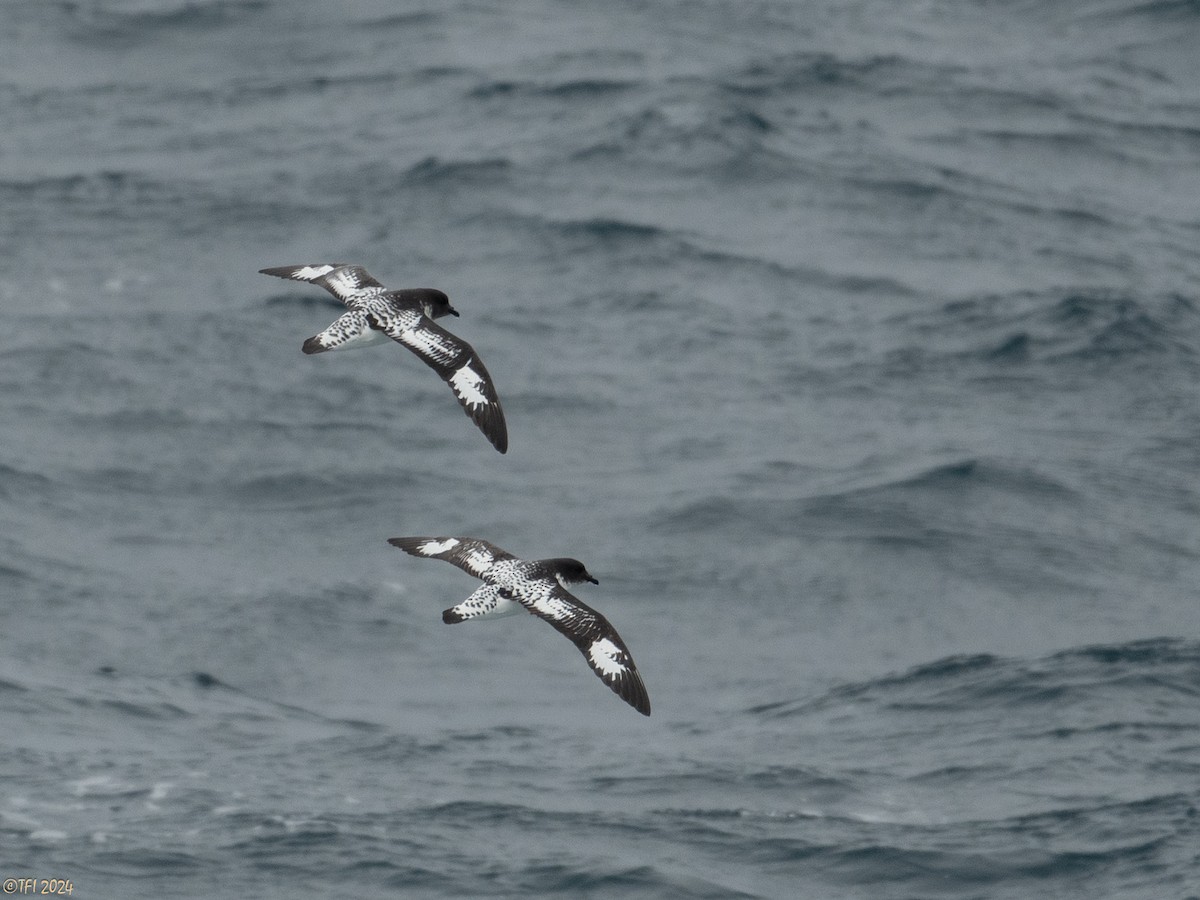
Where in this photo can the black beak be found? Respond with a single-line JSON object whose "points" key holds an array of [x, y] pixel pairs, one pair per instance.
{"points": [[592, 580], [452, 310]]}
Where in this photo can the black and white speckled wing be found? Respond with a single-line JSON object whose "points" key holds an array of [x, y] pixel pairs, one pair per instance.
{"points": [[473, 555], [596, 639], [350, 327], [456, 363], [488, 599], [349, 283]]}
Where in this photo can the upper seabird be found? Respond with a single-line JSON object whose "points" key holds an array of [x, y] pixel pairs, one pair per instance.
{"points": [[406, 316], [540, 587]]}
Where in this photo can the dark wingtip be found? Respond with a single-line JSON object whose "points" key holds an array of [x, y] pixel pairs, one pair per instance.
{"points": [[312, 345], [450, 617], [493, 429], [408, 545], [497, 431], [638, 698]]}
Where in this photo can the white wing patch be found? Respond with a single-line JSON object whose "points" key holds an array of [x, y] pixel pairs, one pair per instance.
{"points": [[606, 658], [478, 561], [431, 344], [472, 555], [344, 282], [466, 383], [433, 548], [308, 273], [553, 607], [348, 283]]}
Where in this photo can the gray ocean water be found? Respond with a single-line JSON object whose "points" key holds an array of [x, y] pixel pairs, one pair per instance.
{"points": [[853, 346]]}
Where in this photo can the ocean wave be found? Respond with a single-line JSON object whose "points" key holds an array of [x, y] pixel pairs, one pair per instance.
{"points": [[610, 240], [988, 473], [398, 21], [1068, 331], [1156, 12], [20, 483], [578, 90], [11, 576], [305, 489], [459, 173], [124, 22], [724, 139], [1104, 327], [787, 499], [608, 231], [807, 71], [1078, 676], [120, 188]]}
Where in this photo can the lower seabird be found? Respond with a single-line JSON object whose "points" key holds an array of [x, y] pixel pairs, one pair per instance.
{"points": [[540, 587]]}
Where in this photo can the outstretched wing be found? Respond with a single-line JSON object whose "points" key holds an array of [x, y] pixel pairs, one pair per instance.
{"points": [[346, 282], [456, 363], [473, 555], [596, 639], [487, 600], [350, 329]]}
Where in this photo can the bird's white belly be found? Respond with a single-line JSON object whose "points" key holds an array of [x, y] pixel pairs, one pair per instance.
{"points": [[505, 607], [365, 338]]}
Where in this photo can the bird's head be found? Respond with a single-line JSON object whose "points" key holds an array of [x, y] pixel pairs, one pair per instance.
{"points": [[436, 304], [570, 571]]}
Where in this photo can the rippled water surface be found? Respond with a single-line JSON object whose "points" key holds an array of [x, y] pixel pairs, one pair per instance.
{"points": [[854, 347]]}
